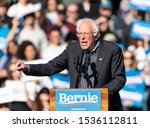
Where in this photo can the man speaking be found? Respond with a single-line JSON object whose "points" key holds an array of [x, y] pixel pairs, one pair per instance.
{"points": [[92, 63]]}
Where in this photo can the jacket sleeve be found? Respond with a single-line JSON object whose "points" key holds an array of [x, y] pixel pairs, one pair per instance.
{"points": [[56, 65], [118, 73]]}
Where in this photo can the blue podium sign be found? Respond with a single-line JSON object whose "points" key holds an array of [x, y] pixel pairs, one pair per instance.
{"points": [[78, 100]]}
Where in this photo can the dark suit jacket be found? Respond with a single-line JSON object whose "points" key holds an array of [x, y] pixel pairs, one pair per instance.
{"points": [[110, 69]]}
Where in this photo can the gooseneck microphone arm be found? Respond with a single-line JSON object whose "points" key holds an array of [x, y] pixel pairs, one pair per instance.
{"points": [[76, 64]]}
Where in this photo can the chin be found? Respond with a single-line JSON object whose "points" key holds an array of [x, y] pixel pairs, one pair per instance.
{"points": [[84, 48]]}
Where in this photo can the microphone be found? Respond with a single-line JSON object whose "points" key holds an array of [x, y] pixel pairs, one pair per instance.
{"points": [[86, 63]]}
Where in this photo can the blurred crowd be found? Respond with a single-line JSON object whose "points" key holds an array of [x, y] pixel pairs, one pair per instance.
{"points": [[39, 30]]}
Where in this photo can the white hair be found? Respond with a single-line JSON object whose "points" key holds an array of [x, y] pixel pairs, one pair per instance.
{"points": [[94, 24]]}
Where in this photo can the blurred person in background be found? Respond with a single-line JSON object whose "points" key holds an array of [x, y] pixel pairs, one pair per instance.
{"points": [[103, 23], [56, 44], [72, 13], [5, 59], [4, 62], [139, 47], [12, 48], [130, 61], [29, 104], [66, 28], [12, 74], [105, 8], [146, 76], [44, 97], [41, 20], [27, 51], [29, 32], [38, 35], [15, 76], [15, 29], [5, 24], [41, 102], [125, 12], [88, 9], [4, 19], [51, 11], [133, 93], [116, 23], [137, 15], [62, 24]]}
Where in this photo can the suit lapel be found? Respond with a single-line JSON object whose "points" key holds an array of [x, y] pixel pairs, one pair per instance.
{"points": [[79, 53]]}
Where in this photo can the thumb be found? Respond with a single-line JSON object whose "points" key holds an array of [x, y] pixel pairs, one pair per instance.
{"points": [[18, 63]]}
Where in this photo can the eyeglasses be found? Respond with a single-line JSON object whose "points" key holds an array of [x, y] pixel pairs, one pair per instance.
{"points": [[73, 11], [104, 22], [129, 58], [86, 34]]}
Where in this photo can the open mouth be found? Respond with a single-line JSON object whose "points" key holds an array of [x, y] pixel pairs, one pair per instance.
{"points": [[84, 43]]}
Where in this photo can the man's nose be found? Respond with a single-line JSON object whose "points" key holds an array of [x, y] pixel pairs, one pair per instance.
{"points": [[83, 37]]}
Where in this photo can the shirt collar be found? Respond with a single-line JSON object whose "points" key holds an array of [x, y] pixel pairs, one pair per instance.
{"points": [[95, 48]]}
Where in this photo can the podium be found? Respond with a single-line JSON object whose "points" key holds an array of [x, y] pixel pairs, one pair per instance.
{"points": [[79, 99]]}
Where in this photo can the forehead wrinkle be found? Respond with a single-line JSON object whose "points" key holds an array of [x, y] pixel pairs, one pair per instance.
{"points": [[87, 25]]}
